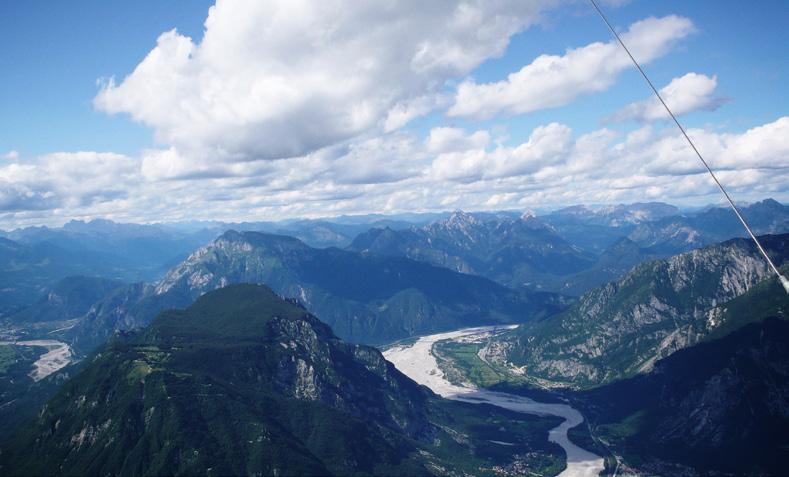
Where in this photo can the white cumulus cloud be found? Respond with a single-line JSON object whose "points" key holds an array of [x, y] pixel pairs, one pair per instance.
{"points": [[67, 180], [552, 80], [273, 79], [685, 94], [546, 145], [449, 139]]}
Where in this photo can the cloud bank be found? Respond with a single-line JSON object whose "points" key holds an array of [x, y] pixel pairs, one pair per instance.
{"points": [[450, 168]]}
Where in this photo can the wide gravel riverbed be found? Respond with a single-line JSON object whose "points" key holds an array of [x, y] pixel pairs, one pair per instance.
{"points": [[418, 363], [57, 356]]}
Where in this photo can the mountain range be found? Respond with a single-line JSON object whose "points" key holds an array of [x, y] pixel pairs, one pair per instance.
{"points": [[569, 251], [594, 229], [680, 233], [364, 298], [33, 259], [674, 347], [662, 227], [516, 252]]}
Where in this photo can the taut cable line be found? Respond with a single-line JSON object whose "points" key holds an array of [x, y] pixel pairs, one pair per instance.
{"points": [[783, 279]]}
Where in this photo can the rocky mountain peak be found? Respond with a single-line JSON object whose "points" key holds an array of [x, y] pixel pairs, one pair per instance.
{"points": [[769, 204], [460, 220]]}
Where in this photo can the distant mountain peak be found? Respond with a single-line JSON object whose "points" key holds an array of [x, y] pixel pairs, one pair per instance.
{"points": [[769, 203], [619, 214], [578, 209], [76, 224], [460, 219]]}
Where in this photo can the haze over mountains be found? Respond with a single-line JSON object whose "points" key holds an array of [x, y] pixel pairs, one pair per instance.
{"points": [[606, 299], [365, 299], [570, 250], [371, 295]]}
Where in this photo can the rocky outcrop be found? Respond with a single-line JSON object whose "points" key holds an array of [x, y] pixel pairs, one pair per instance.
{"points": [[622, 328]]}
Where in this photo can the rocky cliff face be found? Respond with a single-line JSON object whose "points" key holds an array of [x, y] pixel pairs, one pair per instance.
{"points": [[622, 328]]}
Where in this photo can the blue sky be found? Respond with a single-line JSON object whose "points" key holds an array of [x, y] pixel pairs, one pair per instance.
{"points": [[56, 55], [746, 47]]}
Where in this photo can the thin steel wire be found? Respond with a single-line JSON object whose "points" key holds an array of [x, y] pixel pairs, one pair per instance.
{"points": [[782, 279]]}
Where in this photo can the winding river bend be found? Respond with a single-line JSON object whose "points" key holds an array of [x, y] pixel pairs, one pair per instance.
{"points": [[418, 363]]}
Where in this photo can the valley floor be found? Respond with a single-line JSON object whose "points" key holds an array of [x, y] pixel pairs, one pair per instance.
{"points": [[417, 361], [57, 356]]}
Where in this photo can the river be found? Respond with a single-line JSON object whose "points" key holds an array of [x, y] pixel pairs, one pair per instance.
{"points": [[418, 363], [57, 356]]}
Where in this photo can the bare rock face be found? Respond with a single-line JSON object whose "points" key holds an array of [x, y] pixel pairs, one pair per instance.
{"points": [[622, 328]]}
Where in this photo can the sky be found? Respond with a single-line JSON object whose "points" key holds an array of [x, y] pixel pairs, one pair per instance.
{"points": [[169, 110]]}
